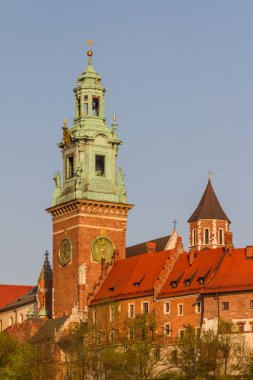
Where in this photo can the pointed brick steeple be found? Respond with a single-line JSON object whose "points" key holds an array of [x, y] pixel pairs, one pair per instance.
{"points": [[209, 207], [208, 224]]}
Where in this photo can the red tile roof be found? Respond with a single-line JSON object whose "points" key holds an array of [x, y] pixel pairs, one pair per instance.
{"points": [[9, 293], [204, 266], [132, 277], [235, 273]]}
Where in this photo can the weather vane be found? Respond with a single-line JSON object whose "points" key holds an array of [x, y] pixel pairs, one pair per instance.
{"points": [[90, 44]]}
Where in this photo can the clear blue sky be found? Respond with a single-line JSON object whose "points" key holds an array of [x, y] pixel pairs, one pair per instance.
{"points": [[179, 77]]}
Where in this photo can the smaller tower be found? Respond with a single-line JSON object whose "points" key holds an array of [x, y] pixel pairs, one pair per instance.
{"points": [[208, 224], [44, 292]]}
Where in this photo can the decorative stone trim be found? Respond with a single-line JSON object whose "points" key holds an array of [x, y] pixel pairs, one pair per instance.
{"points": [[90, 207]]}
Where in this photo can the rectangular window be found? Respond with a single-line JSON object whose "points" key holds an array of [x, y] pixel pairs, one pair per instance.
{"points": [[198, 307], [145, 307], [100, 166], [131, 334], [240, 327], [225, 306], [70, 167], [131, 311], [166, 329], [251, 304], [180, 309], [112, 336], [166, 308], [112, 313]]}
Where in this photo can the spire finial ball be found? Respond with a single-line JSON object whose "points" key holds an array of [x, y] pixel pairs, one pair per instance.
{"points": [[89, 53]]}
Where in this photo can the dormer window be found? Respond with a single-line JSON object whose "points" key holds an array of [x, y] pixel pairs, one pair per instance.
{"points": [[95, 106], [187, 282], [174, 284], [138, 283], [201, 280], [100, 166]]}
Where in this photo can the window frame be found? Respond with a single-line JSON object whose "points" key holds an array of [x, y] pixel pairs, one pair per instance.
{"points": [[206, 237], [225, 305], [180, 309], [131, 315], [164, 307], [166, 329], [142, 307], [70, 164], [198, 307]]}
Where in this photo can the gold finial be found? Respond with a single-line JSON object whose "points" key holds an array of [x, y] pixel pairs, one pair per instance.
{"points": [[114, 117], [65, 122], [210, 173], [89, 52]]}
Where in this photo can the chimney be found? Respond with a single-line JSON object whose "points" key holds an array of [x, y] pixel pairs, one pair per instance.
{"points": [[249, 251], [228, 240], [191, 256], [150, 246]]}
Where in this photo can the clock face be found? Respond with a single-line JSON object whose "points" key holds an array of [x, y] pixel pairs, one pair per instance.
{"points": [[102, 248], [65, 251]]}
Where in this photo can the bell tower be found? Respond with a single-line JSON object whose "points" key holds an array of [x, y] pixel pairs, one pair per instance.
{"points": [[89, 204]]}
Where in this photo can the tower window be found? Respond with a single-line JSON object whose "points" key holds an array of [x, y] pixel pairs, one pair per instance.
{"points": [[100, 166], [85, 106], [206, 234], [70, 167], [194, 240], [95, 106], [220, 236]]}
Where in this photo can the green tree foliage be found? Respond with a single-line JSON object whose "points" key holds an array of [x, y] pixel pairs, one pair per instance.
{"points": [[25, 361]]}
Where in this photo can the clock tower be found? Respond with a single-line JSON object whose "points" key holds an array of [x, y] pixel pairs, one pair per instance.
{"points": [[89, 205]]}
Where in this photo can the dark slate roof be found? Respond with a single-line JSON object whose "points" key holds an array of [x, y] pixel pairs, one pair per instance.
{"points": [[138, 249], [26, 299], [209, 206]]}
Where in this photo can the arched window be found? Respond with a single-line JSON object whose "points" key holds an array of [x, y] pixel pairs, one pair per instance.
{"points": [[206, 235], [10, 321], [194, 240], [1, 325], [220, 236], [95, 106], [21, 318]]}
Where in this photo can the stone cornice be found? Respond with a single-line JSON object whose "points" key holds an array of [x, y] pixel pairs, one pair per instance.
{"points": [[89, 207]]}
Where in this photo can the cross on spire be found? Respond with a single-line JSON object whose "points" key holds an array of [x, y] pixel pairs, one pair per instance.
{"points": [[210, 173], [175, 222]]}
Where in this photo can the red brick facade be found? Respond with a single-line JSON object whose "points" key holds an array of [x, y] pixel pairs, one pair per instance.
{"points": [[82, 222]]}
